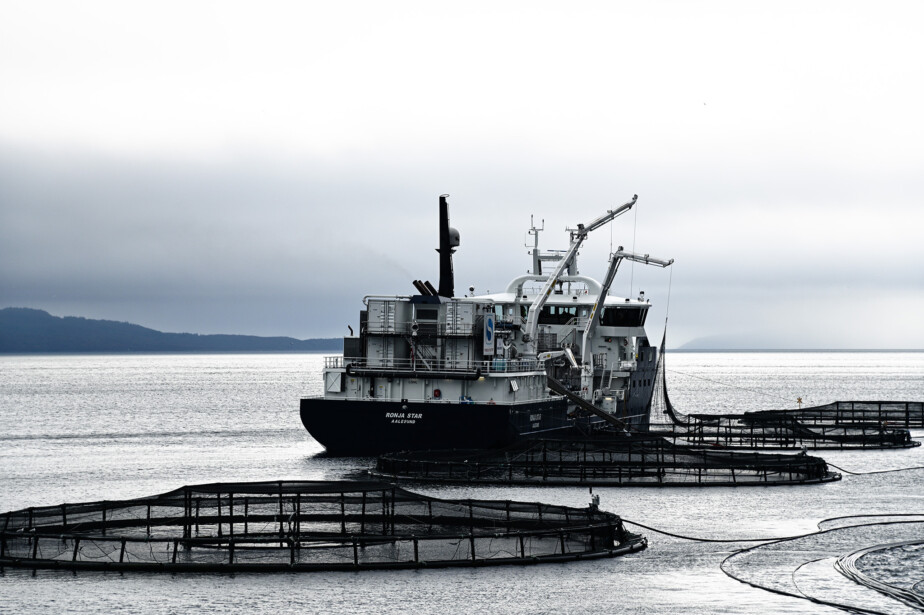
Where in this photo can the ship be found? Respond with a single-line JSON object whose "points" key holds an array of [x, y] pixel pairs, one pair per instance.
{"points": [[432, 370]]}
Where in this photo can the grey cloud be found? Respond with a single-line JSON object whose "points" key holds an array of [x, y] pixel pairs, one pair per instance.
{"points": [[290, 246]]}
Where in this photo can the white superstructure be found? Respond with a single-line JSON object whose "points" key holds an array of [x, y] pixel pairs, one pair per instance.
{"points": [[499, 348]]}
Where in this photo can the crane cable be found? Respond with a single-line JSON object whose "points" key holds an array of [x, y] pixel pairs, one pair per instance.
{"points": [[632, 268], [670, 284]]}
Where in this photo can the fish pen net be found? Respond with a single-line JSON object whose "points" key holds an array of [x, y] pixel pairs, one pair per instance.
{"points": [[304, 526], [907, 414], [780, 429], [631, 460]]}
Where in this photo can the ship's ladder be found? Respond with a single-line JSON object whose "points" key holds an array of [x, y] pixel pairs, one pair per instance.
{"points": [[424, 354]]}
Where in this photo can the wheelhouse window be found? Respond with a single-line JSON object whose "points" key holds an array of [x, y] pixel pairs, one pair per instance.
{"points": [[623, 317], [557, 314]]}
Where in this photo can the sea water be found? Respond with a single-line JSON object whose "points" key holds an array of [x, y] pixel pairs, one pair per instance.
{"points": [[90, 427]]}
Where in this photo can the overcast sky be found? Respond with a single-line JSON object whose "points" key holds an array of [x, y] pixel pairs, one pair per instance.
{"points": [[220, 167]]}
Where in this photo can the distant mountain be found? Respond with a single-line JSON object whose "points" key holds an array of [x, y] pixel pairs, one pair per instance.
{"points": [[738, 342], [725, 342], [28, 330]]}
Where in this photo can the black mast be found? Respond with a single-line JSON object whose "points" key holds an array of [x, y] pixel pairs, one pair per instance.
{"points": [[449, 239]]}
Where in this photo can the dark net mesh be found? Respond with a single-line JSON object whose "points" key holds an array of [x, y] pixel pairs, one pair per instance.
{"points": [[839, 425], [907, 414], [632, 459], [304, 526]]}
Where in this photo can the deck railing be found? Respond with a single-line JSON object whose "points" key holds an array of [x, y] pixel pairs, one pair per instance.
{"points": [[434, 365]]}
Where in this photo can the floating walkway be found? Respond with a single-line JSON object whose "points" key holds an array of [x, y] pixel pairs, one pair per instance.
{"points": [[305, 526], [629, 460]]}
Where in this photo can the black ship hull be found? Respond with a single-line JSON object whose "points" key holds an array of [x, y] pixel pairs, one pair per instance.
{"points": [[372, 427]]}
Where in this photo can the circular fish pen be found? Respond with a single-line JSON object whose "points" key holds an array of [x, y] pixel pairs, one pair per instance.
{"points": [[779, 431], [906, 414], [305, 526], [837, 426], [631, 460]]}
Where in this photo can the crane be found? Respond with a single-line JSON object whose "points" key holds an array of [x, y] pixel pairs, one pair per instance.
{"points": [[577, 238], [587, 364]]}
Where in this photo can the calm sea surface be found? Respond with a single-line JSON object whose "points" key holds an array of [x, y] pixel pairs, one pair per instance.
{"points": [[90, 427]]}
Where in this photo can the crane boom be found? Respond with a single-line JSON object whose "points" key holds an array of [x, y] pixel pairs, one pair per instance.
{"points": [[645, 259], [577, 238], [587, 365]]}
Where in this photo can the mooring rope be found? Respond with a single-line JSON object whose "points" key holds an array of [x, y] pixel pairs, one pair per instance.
{"points": [[851, 608], [784, 538], [804, 596], [719, 540], [874, 471], [867, 516], [733, 386], [847, 565]]}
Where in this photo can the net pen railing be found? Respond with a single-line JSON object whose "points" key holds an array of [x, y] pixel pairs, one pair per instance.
{"points": [[627, 461], [304, 526], [782, 432], [841, 425], [907, 414]]}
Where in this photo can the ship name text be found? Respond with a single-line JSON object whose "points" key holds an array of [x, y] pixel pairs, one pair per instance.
{"points": [[404, 417]]}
